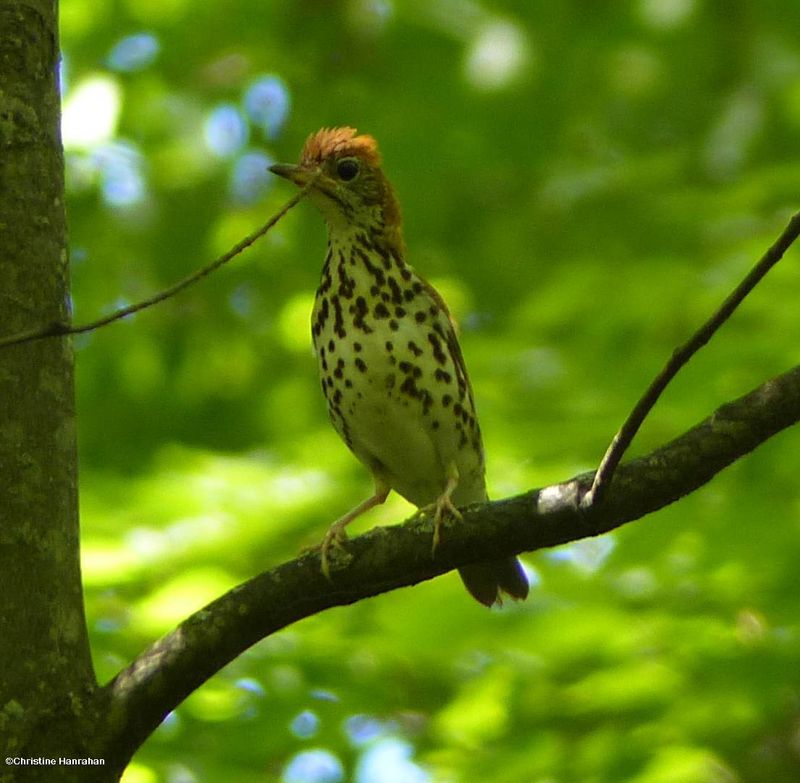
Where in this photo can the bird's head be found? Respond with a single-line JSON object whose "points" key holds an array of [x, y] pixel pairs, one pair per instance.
{"points": [[343, 171]]}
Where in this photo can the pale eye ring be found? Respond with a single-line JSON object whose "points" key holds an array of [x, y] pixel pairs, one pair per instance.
{"points": [[347, 169]]}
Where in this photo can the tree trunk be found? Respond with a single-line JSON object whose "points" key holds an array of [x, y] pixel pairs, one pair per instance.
{"points": [[46, 675]]}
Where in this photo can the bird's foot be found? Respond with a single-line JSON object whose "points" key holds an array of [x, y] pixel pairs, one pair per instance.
{"points": [[334, 537], [444, 507]]}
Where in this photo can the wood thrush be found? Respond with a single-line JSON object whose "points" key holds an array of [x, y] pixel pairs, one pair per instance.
{"points": [[390, 363]]}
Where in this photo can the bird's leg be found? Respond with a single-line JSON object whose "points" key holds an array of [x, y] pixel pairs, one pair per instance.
{"points": [[336, 534], [444, 505]]}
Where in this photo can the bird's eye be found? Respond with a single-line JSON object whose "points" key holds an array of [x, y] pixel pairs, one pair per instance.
{"points": [[347, 169]]}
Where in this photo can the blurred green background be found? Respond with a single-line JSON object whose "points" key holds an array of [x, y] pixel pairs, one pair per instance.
{"points": [[584, 182]]}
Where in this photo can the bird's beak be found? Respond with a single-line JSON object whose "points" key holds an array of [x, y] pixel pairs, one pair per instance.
{"points": [[297, 174]]}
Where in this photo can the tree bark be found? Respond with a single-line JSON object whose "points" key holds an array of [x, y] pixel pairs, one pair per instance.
{"points": [[46, 676]]}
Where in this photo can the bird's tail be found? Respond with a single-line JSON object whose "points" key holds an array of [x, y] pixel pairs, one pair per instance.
{"points": [[487, 581]]}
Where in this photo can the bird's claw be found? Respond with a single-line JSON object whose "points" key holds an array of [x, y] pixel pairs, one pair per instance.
{"points": [[441, 509], [335, 537]]}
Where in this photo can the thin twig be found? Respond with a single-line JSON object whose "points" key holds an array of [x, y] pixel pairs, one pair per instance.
{"points": [[679, 358], [61, 328]]}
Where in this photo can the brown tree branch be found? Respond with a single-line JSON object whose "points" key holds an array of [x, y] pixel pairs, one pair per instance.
{"points": [[62, 328], [679, 358], [387, 558]]}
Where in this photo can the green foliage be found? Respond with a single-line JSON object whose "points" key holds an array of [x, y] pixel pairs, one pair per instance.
{"points": [[585, 183]]}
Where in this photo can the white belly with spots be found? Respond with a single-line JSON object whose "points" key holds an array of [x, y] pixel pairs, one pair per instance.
{"points": [[396, 393]]}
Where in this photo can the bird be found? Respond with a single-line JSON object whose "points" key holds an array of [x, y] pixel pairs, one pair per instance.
{"points": [[390, 364]]}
